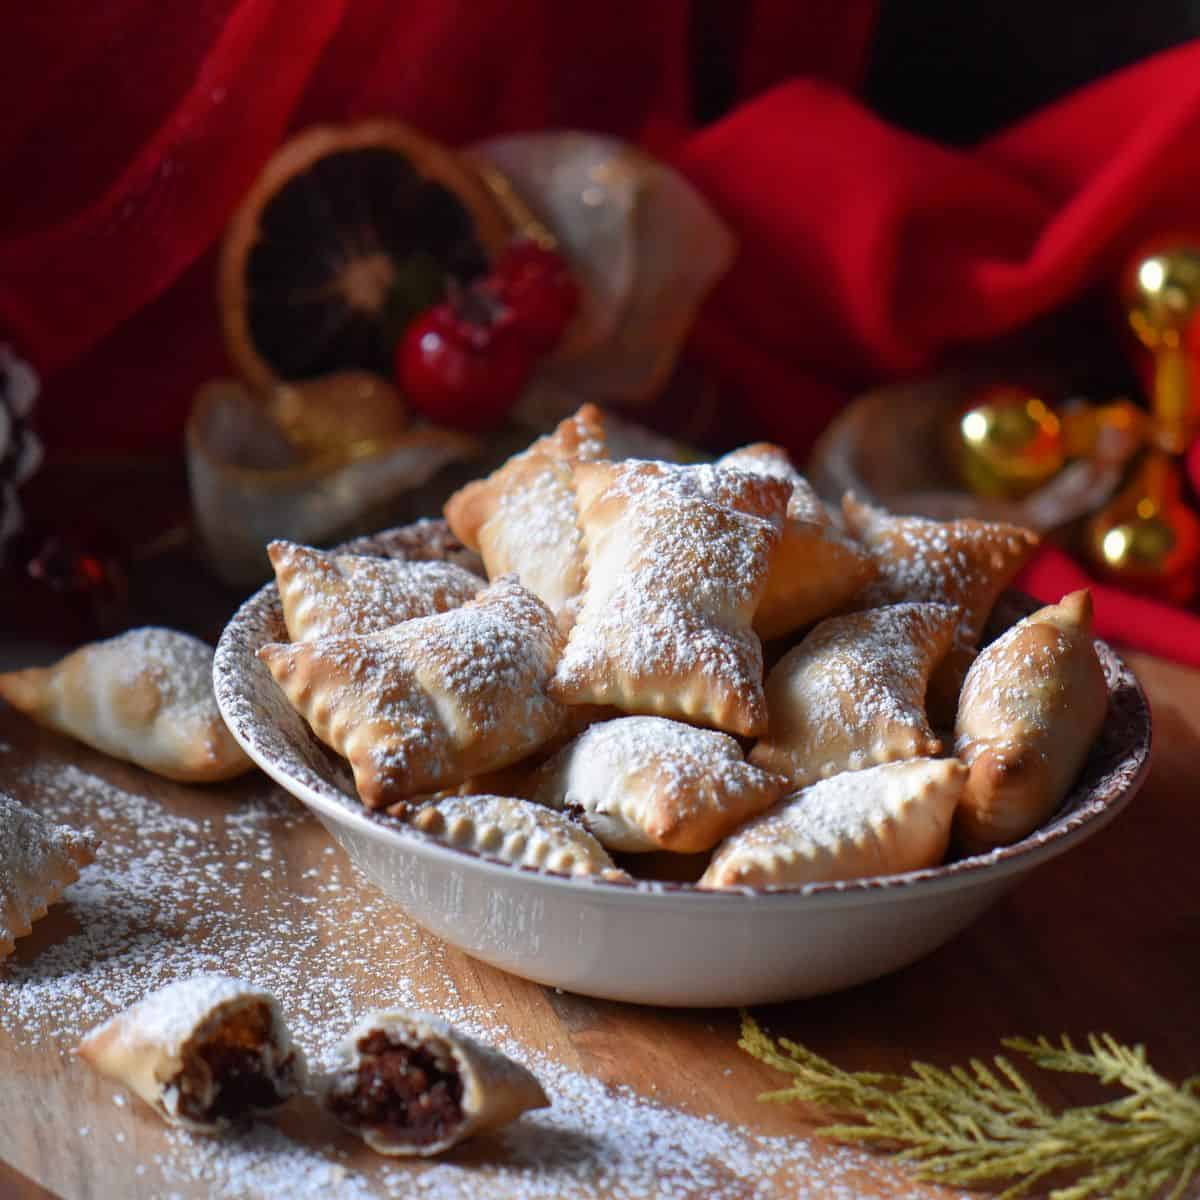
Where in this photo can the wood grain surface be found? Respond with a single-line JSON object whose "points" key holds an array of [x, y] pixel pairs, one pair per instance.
{"points": [[1105, 938]]}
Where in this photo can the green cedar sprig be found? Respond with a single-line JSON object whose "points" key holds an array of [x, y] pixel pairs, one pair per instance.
{"points": [[984, 1124]]}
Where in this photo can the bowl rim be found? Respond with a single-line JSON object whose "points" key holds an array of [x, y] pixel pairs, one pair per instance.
{"points": [[1070, 825]]}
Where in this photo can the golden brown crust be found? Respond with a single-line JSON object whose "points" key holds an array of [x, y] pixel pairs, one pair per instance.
{"points": [[965, 563], [431, 702], [646, 783], [851, 695], [814, 572], [883, 821], [581, 437], [517, 832], [1032, 704], [332, 595], [39, 860], [677, 560], [144, 696]]}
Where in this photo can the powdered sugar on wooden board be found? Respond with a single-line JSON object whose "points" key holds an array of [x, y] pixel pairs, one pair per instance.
{"points": [[171, 894]]}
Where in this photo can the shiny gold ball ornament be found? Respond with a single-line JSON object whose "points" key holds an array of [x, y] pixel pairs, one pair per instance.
{"points": [[1107, 433], [1006, 441], [1148, 539], [1161, 293]]}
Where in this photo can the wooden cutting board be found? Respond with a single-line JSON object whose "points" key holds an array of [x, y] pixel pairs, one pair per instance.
{"points": [[238, 878]]}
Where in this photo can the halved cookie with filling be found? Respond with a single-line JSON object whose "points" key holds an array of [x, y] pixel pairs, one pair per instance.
{"points": [[205, 1052], [410, 1085]]}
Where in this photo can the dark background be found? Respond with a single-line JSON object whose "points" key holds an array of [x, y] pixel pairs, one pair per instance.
{"points": [[959, 70]]}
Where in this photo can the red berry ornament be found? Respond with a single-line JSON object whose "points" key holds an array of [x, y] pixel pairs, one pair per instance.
{"points": [[536, 284], [464, 363]]}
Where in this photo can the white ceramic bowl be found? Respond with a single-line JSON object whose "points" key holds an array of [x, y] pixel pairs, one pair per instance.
{"points": [[658, 943]]}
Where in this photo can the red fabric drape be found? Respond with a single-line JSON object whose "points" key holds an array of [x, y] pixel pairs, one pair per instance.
{"points": [[129, 129], [868, 252], [133, 131]]}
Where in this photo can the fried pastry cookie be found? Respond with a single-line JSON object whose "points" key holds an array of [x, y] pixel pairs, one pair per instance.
{"points": [[814, 570], [38, 861], [516, 832], [646, 783], [964, 563], [852, 694], [408, 1084], [425, 705], [331, 595], [765, 458], [883, 821], [677, 561], [204, 1052], [145, 696], [1031, 707], [521, 518]]}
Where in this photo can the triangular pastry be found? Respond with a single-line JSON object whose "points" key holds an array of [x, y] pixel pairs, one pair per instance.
{"points": [[516, 832], [852, 694], [38, 861], [424, 705], [815, 570], [677, 560], [331, 595], [579, 438], [409, 1084], [1031, 706], [521, 518], [965, 563], [765, 458], [145, 696], [204, 1052], [646, 783], [884, 821]]}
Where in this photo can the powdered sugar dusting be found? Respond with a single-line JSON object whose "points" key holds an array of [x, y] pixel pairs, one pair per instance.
{"points": [[677, 558], [1016, 668], [514, 831], [852, 693], [169, 1016], [179, 664], [163, 903], [881, 821], [427, 703], [533, 532], [774, 462], [636, 779], [37, 860], [964, 563], [328, 595]]}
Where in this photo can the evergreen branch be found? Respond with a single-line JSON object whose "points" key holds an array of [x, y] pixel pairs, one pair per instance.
{"points": [[985, 1124]]}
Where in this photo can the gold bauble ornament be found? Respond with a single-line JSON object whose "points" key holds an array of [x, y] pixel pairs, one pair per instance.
{"points": [[1148, 538], [1006, 441], [342, 416], [1106, 433], [1161, 293]]}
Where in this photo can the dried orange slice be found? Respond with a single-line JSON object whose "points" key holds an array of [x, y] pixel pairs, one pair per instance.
{"points": [[347, 233]]}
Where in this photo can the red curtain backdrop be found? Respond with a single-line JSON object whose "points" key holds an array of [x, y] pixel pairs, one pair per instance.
{"points": [[129, 130]]}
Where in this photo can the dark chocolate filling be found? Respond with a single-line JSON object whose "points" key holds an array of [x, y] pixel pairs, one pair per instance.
{"points": [[241, 1061], [412, 1093]]}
